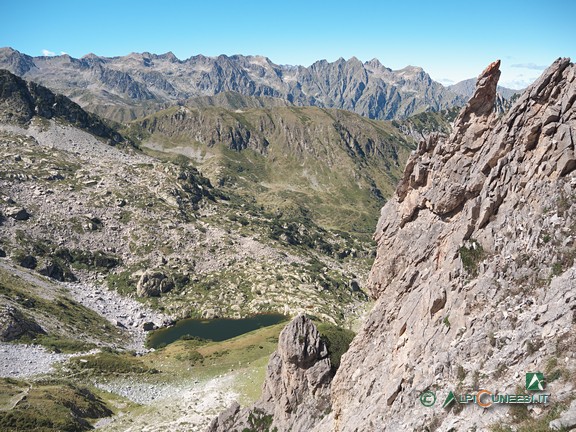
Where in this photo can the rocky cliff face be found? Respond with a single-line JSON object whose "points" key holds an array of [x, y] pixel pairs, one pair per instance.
{"points": [[124, 87], [474, 276], [297, 388]]}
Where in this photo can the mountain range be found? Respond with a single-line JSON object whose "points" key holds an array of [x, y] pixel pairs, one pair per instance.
{"points": [[131, 86]]}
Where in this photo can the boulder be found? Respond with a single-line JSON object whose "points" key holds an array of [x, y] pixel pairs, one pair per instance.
{"points": [[13, 324], [152, 283], [26, 261], [17, 213], [54, 270], [149, 326], [354, 285]]}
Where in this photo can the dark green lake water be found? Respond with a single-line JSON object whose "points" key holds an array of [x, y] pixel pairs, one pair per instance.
{"points": [[218, 329]]}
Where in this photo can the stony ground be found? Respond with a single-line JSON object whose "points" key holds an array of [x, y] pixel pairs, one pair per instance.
{"points": [[82, 194], [23, 361], [188, 406], [124, 312]]}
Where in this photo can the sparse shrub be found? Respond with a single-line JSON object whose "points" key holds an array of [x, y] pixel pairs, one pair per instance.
{"points": [[337, 341], [192, 357], [259, 422], [460, 373], [557, 269], [533, 346], [106, 362], [471, 256]]}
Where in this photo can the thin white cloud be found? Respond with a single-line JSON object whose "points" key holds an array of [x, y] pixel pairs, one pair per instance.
{"points": [[532, 66], [517, 84], [446, 81], [48, 53], [63, 53]]}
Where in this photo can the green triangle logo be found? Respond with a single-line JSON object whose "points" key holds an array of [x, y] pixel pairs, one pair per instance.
{"points": [[449, 399], [535, 381]]}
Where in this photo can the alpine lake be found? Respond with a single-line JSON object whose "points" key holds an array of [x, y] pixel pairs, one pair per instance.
{"points": [[217, 329]]}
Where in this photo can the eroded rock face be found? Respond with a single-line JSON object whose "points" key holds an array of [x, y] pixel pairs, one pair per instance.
{"points": [[297, 386], [474, 276]]}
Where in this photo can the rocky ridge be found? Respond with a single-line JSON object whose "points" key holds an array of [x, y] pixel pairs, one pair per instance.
{"points": [[21, 100], [474, 276], [123, 88], [482, 229], [273, 154]]}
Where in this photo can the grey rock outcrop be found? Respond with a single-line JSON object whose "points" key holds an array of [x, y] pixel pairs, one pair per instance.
{"points": [[14, 325], [152, 283], [57, 270], [567, 420], [297, 386], [17, 213], [21, 100]]}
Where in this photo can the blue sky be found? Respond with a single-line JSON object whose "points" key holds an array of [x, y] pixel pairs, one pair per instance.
{"points": [[451, 40]]}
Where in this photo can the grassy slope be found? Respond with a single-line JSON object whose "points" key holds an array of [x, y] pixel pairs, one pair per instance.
{"points": [[326, 161]]}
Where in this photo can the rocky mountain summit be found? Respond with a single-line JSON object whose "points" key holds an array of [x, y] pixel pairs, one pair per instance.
{"points": [[474, 276], [123, 88]]}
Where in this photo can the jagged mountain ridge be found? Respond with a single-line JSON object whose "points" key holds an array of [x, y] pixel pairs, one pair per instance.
{"points": [[474, 276], [141, 83]]}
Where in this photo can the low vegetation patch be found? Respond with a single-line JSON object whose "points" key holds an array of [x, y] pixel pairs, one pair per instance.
{"points": [[110, 362], [337, 340], [259, 422], [49, 407], [471, 255]]}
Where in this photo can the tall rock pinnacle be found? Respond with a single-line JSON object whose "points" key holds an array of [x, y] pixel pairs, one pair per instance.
{"points": [[297, 387], [482, 101]]}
